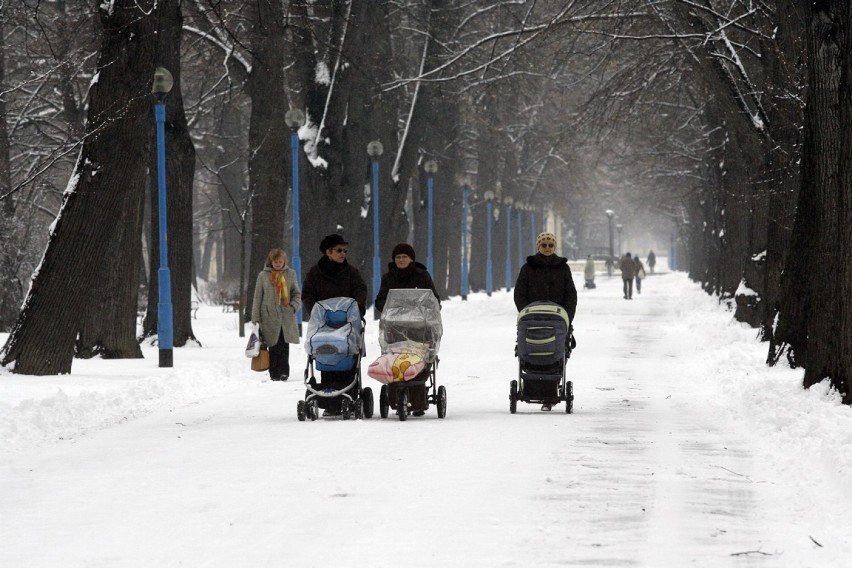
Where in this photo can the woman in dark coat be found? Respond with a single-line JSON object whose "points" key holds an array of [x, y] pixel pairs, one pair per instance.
{"points": [[333, 277], [546, 277], [404, 272]]}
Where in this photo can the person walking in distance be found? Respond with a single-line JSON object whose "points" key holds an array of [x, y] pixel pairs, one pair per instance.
{"points": [[628, 271], [652, 260], [640, 273]]}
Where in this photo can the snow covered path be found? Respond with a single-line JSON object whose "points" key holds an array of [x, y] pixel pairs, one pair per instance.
{"points": [[661, 464]]}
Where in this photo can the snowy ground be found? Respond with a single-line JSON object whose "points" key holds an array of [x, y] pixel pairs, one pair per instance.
{"points": [[683, 449]]}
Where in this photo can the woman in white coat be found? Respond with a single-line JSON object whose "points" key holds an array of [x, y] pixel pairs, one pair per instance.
{"points": [[277, 298]]}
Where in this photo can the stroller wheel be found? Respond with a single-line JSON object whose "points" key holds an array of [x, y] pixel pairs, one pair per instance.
{"points": [[359, 410], [300, 411], [346, 409], [513, 397], [569, 397], [367, 400], [313, 412], [384, 405], [402, 405], [442, 401]]}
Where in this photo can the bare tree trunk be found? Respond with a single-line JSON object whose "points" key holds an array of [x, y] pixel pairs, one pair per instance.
{"points": [[10, 286], [815, 316], [108, 176], [269, 138]]}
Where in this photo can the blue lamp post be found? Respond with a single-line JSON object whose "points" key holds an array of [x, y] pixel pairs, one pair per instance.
{"points": [[431, 168], [489, 264], [618, 228], [295, 118], [375, 149], [163, 83], [533, 232], [464, 275], [507, 201], [609, 265], [520, 208]]}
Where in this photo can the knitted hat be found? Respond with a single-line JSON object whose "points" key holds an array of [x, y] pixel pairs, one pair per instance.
{"points": [[331, 241], [403, 248], [545, 238]]}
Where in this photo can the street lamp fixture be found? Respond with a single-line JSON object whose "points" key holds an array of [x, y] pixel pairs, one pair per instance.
{"points": [[375, 150], [163, 82], [618, 228], [507, 202], [464, 267], [431, 168], [295, 119], [489, 212], [609, 265]]}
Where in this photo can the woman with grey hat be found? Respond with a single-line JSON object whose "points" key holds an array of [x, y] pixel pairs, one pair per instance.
{"points": [[333, 277]]}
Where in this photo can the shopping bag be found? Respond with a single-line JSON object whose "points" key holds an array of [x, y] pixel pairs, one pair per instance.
{"points": [[261, 361], [253, 346]]}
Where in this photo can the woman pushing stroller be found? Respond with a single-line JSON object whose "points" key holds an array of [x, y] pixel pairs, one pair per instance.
{"points": [[546, 277], [404, 272], [334, 277]]}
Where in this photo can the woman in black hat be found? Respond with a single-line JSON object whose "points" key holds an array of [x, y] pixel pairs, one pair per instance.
{"points": [[404, 272], [333, 277]]}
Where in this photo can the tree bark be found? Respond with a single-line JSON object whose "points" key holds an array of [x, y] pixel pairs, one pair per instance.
{"points": [[815, 316], [108, 176], [269, 139]]}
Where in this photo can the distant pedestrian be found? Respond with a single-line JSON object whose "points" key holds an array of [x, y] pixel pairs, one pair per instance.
{"points": [[640, 274], [276, 300], [589, 273], [652, 260], [628, 271]]}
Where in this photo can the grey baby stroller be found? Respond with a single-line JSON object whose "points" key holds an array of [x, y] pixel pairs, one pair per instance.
{"points": [[334, 342], [410, 332], [543, 348]]}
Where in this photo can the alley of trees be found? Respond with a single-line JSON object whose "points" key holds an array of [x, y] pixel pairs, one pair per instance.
{"points": [[722, 128]]}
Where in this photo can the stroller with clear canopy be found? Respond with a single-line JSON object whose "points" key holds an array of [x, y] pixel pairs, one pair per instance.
{"points": [[543, 348], [410, 332], [334, 342]]}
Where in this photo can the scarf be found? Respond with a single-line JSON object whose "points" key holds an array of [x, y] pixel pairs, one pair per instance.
{"points": [[281, 288]]}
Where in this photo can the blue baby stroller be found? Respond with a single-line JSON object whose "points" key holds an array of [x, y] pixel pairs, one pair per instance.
{"points": [[335, 344], [543, 348], [410, 332]]}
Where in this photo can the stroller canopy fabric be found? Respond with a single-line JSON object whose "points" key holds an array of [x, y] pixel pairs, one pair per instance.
{"points": [[335, 328], [411, 315]]}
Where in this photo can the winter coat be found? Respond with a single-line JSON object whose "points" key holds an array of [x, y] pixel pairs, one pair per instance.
{"points": [[628, 268], [546, 279], [267, 310], [638, 267], [652, 259], [589, 270], [414, 275], [329, 279]]}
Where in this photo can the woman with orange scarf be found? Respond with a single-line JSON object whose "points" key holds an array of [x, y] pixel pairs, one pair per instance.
{"points": [[277, 298]]}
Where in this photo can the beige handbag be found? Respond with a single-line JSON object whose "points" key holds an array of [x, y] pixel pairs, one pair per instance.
{"points": [[261, 361]]}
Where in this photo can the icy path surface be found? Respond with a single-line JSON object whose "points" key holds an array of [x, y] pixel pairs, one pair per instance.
{"points": [[659, 465]]}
